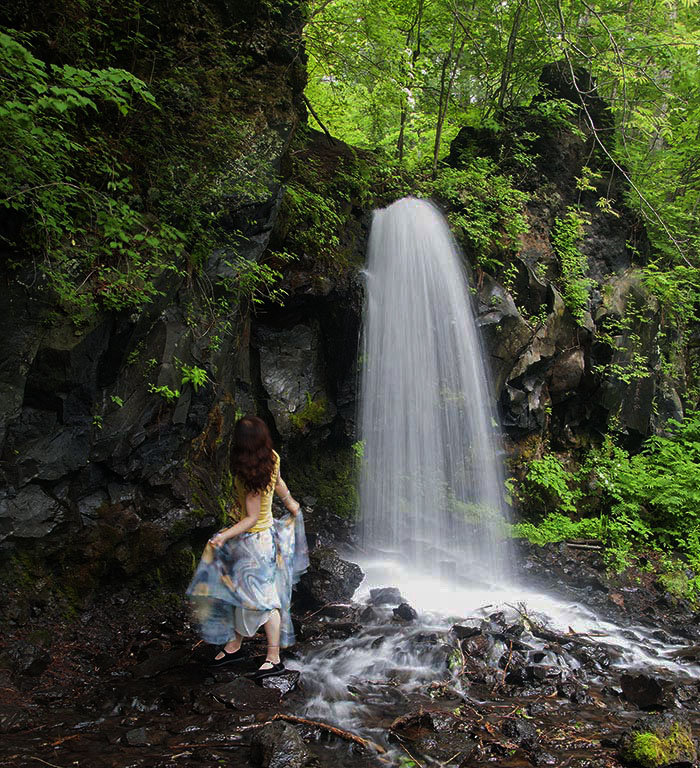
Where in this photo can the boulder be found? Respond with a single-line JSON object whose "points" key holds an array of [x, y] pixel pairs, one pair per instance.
{"points": [[385, 596], [329, 579], [405, 612], [644, 691]]}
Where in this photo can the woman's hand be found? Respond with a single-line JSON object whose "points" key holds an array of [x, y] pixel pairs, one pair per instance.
{"points": [[294, 507], [218, 539]]}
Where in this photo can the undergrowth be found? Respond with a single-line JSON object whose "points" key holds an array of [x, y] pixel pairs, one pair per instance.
{"points": [[632, 504]]}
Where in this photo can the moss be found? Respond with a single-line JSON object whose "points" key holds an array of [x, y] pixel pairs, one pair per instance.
{"points": [[647, 749], [330, 476], [650, 750], [309, 415]]}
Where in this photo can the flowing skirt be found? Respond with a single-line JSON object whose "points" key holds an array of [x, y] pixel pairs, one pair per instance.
{"points": [[246, 578]]}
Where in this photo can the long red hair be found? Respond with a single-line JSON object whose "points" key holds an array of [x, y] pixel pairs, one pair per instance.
{"points": [[251, 453]]}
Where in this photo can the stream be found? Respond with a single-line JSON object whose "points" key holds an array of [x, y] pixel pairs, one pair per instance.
{"points": [[474, 677]]}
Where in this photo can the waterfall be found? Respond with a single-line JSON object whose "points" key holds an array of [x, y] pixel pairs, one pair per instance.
{"points": [[431, 487]]}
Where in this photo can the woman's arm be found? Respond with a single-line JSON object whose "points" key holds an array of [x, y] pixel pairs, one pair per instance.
{"points": [[286, 496], [252, 513]]}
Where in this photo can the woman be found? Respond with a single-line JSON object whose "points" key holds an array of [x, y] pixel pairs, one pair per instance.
{"points": [[245, 577]]}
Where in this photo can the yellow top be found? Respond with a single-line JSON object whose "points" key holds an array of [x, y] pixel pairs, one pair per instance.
{"points": [[265, 519]]}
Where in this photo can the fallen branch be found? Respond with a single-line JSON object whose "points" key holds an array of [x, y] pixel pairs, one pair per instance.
{"points": [[347, 735], [576, 545]]}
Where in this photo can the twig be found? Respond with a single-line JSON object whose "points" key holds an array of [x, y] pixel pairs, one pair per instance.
{"points": [[576, 545], [348, 735], [53, 765], [65, 738], [415, 760], [309, 615], [210, 744]]}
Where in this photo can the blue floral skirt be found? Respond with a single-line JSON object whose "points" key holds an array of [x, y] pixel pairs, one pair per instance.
{"points": [[254, 572]]}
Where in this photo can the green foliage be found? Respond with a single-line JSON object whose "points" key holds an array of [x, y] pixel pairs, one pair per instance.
{"points": [[647, 501], [194, 375], [68, 187], [546, 486], [487, 212], [170, 395], [317, 209], [403, 77], [566, 236], [358, 449]]}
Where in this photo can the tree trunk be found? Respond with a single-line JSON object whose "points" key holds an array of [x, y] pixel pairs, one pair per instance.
{"points": [[510, 54]]}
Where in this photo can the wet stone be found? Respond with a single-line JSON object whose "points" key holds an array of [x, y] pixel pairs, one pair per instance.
{"points": [[369, 615], [463, 633], [330, 579], [644, 691], [405, 612], [478, 645], [284, 683], [279, 745], [545, 758], [145, 737], [385, 596], [244, 694], [160, 662], [338, 610], [520, 731]]}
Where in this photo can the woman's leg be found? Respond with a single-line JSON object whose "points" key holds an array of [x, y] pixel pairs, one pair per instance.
{"points": [[231, 647], [272, 632]]}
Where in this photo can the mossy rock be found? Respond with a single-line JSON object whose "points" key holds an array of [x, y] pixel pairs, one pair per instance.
{"points": [[658, 740], [329, 475]]}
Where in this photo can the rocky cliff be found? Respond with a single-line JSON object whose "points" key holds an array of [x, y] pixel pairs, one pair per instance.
{"points": [[114, 457]]}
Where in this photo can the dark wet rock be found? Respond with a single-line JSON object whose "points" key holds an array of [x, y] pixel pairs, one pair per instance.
{"points": [[659, 740], [405, 612], [544, 758], [206, 702], [328, 630], [244, 694], [338, 610], [368, 615], [520, 731], [145, 737], [574, 691], [439, 734], [279, 745], [330, 579], [644, 691], [477, 645], [464, 632], [385, 596], [284, 683], [31, 660], [292, 372], [160, 662]]}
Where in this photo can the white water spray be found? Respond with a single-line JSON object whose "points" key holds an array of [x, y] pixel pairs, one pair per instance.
{"points": [[431, 486]]}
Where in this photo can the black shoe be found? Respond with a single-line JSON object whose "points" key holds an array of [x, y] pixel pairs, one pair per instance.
{"points": [[227, 658], [275, 669]]}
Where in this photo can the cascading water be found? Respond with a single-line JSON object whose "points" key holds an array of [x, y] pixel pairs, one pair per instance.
{"points": [[431, 486]]}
